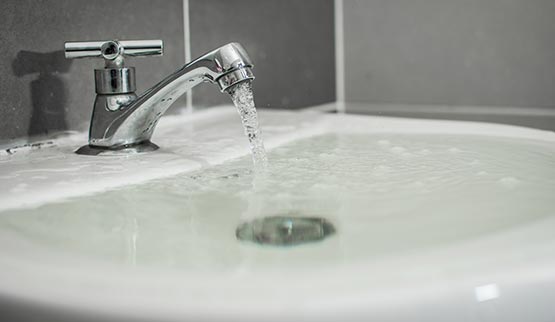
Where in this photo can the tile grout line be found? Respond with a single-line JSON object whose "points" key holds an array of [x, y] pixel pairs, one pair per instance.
{"points": [[187, 47], [339, 56]]}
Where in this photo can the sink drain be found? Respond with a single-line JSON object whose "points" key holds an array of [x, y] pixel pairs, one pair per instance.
{"points": [[284, 230]]}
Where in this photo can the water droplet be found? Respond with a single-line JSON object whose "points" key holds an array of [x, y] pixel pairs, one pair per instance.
{"points": [[20, 187], [325, 156], [397, 149], [509, 182], [381, 170]]}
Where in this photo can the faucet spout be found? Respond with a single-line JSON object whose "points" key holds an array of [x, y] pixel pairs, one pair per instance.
{"points": [[124, 120]]}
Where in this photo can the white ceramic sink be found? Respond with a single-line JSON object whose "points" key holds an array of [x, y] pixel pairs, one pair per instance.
{"points": [[434, 220]]}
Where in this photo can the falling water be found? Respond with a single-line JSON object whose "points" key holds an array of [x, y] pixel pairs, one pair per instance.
{"points": [[273, 230], [242, 97]]}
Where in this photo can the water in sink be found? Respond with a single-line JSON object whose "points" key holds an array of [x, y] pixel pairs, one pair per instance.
{"points": [[385, 195]]}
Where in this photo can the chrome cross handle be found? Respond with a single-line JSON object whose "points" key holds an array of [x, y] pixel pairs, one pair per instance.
{"points": [[114, 78], [111, 50]]}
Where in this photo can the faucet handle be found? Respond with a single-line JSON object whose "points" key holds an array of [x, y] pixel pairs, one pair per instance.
{"points": [[113, 51], [114, 78]]}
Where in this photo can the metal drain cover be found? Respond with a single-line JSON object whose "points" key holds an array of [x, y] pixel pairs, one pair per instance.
{"points": [[284, 230]]}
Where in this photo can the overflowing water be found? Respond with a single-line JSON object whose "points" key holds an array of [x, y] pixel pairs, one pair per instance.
{"points": [[386, 195], [242, 96]]}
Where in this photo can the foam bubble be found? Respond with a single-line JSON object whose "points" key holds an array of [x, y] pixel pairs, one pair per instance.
{"points": [[21, 187], [397, 149], [509, 182]]}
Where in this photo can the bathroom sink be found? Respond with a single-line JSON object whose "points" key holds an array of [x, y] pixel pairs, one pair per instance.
{"points": [[432, 221]]}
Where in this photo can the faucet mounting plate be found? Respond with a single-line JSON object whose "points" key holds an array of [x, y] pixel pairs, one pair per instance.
{"points": [[145, 146]]}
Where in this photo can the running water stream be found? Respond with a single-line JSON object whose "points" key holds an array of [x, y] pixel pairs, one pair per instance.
{"points": [[281, 229], [243, 99]]}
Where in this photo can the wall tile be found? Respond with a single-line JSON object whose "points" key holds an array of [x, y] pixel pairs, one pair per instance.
{"points": [[452, 52], [291, 43], [42, 92]]}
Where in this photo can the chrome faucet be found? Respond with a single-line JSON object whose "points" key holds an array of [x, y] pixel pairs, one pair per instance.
{"points": [[121, 120]]}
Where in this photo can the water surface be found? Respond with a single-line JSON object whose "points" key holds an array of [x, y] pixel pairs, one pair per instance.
{"points": [[386, 195]]}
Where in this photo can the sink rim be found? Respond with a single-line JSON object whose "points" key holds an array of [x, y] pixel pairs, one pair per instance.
{"points": [[279, 127]]}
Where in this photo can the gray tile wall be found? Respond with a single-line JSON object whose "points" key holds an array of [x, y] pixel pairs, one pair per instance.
{"points": [[42, 92], [455, 52], [291, 43]]}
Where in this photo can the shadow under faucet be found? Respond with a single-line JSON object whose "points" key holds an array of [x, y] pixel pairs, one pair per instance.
{"points": [[48, 92]]}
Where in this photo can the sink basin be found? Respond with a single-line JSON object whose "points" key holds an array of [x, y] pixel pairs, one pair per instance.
{"points": [[433, 221]]}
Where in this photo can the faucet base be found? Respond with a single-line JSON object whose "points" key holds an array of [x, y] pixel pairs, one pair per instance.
{"points": [[145, 146]]}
